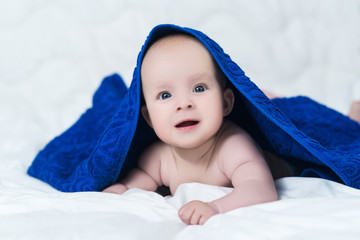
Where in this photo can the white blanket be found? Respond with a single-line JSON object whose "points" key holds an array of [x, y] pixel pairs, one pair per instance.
{"points": [[53, 55], [308, 208]]}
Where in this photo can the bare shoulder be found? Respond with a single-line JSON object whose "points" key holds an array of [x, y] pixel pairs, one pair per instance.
{"points": [[236, 147], [152, 153], [150, 160], [235, 138]]}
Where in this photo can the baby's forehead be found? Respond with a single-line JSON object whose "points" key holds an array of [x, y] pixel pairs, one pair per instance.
{"points": [[178, 40], [174, 40]]}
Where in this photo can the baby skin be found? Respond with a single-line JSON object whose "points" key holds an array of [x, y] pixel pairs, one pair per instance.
{"points": [[354, 113], [185, 104]]}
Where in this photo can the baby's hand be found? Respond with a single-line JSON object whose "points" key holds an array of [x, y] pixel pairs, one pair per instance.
{"points": [[197, 212]]}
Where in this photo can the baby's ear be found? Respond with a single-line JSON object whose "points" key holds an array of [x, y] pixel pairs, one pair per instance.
{"points": [[146, 114], [228, 101]]}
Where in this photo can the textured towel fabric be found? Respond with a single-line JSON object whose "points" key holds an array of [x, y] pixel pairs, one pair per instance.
{"points": [[107, 139]]}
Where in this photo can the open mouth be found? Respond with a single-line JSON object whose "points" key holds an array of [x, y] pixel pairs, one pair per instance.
{"points": [[188, 123]]}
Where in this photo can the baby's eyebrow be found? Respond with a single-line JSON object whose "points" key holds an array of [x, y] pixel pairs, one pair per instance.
{"points": [[161, 87], [205, 76]]}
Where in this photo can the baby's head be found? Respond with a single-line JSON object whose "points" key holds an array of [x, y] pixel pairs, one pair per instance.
{"points": [[184, 91]]}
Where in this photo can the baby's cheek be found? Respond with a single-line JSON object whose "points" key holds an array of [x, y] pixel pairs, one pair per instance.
{"points": [[161, 131]]}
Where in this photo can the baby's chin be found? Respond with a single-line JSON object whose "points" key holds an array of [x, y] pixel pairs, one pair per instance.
{"points": [[194, 143]]}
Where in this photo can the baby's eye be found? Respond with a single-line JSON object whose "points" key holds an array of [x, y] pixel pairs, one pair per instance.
{"points": [[164, 95], [199, 89]]}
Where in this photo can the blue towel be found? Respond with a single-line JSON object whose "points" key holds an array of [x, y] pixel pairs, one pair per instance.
{"points": [[105, 143]]}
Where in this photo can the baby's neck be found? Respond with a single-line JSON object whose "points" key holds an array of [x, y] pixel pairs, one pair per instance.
{"points": [[201, 155]]}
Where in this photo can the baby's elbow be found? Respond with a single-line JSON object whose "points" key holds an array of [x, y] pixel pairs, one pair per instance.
{"points": [[117, 188], [264, 196], [270, 196], [274, 196], [269, 191]]}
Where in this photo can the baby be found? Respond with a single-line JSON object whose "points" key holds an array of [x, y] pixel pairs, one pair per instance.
{"points": [[185, 103]]}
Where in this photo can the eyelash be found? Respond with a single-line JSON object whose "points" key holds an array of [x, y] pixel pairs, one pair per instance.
{"points": [[161, 95], [165, 95], [203, 86]]}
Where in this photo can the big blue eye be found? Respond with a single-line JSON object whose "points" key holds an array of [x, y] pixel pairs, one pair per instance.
{"points": [[199, 89], [164, 95]]}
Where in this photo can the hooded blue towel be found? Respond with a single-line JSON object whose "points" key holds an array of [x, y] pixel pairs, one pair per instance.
{"points": [[105, 143]]}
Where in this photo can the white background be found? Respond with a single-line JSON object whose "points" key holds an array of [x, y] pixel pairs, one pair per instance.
{"points": [[54, 53]]}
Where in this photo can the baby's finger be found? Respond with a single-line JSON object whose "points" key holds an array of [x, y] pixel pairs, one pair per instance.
{"points": [[196, 217], [203, 219], [185, 214]]}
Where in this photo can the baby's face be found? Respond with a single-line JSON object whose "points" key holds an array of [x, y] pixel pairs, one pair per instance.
{"points": [[184, 101]]}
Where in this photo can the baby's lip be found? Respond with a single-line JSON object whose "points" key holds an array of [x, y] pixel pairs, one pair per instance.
{"points": [[186, 123]]}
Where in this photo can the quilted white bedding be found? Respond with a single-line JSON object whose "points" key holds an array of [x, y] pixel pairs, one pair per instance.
{"points": [[53, 55]]}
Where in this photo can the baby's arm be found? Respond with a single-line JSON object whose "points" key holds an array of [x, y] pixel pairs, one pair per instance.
{"points": [[249, 173], [241, 162], [146, 176]]}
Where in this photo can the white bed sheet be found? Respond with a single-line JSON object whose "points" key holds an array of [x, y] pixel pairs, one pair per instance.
{"points": [[309, 208], [53, 55]]}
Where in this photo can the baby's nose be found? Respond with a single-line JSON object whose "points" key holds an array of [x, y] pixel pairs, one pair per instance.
{"points": [[186, 105]]}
